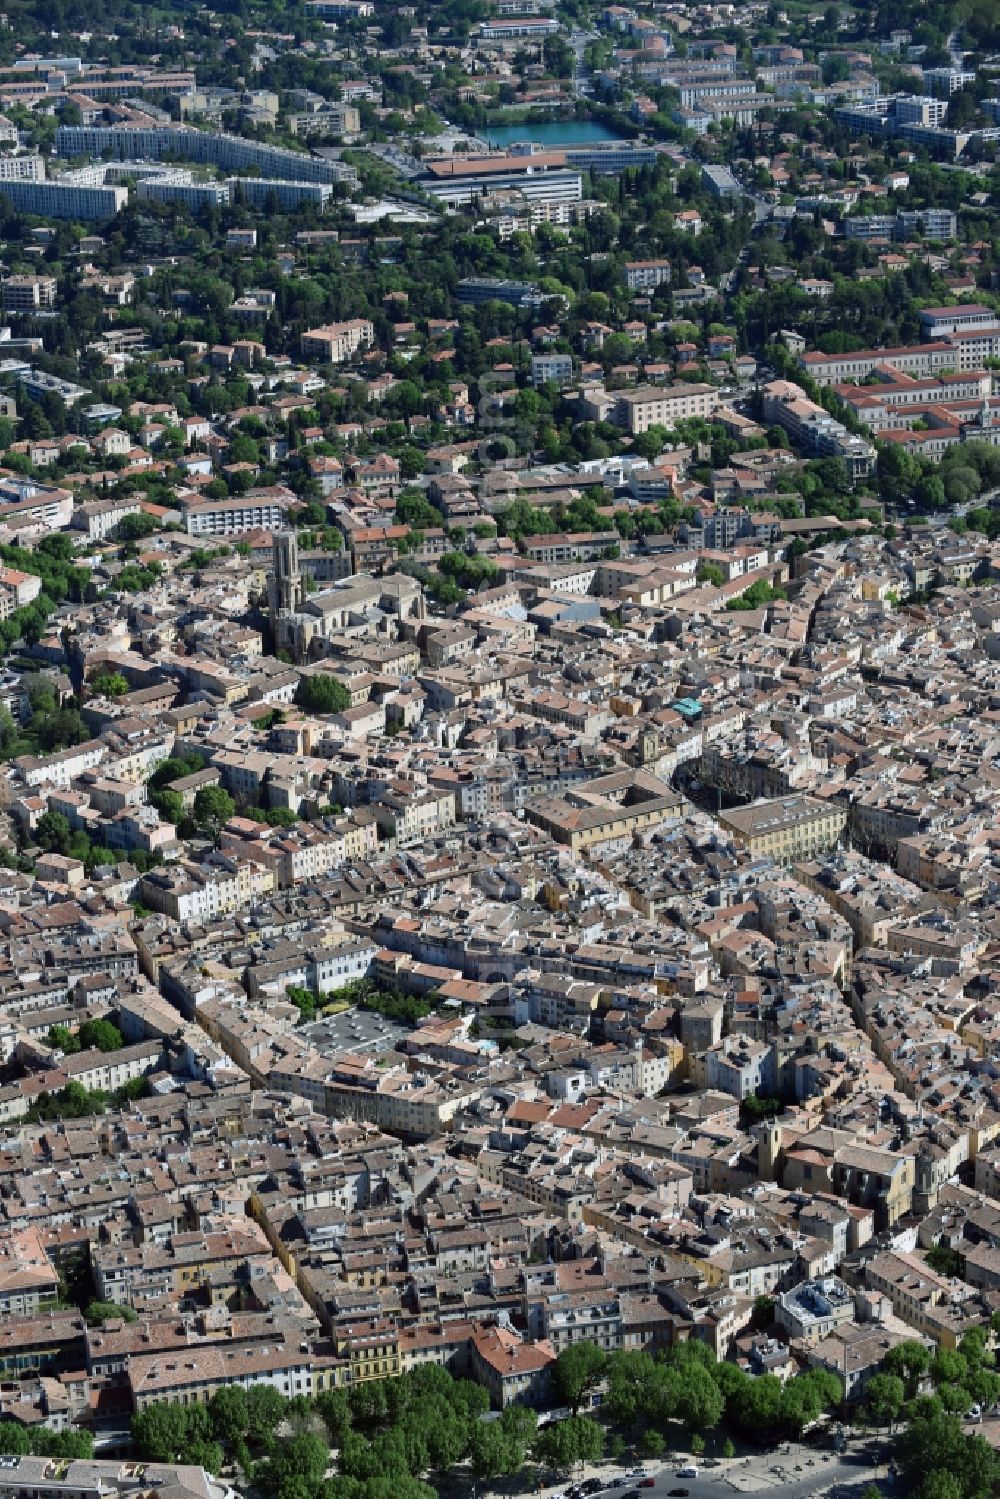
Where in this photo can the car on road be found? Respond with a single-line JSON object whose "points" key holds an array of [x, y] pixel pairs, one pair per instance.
{"points": [[647, 1483], [631, 1494], [678, 1493], [690, 1471]]}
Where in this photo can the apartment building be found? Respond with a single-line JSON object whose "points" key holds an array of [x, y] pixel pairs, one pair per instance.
{"points": [[646, 275], [971, 347], [720, 182], [914, 1289], [814, 429], [190, 892], [517, 27], [557, 368], [179, 142], [903, 392], [608, 158], [57, 200], [181, 187], [29, 293], [195, 1374], [332, 118], [337, 342], [814, 1309], [473, 291], [661, 406], [933, 223], [29, 1282], [580, 546], [715, 88], [259, 192], [794, 827], [16, 590], [230, 517], [513, 1371], [92, 1478], [605, 809], [29, 167], [341, 10]]}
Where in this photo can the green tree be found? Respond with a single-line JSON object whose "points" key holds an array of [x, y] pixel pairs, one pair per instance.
{"points": [[910, 1362], [212, 808], [700, 1402], [652, 1442], [948, 1367], [294, 1466], [265, 1408], [62, 1039], [102, 1035], [52, 832], [173, 769], [169, 804], [169, 1433], [322, 693], [938, 1444], [562, 1444], [109, 684], [230, 1417], [763, 1312], [99, 1312], [938, 1484], [577, 1369], [137, 527], [304, 1000], [14, 1438], [885, 1394]]}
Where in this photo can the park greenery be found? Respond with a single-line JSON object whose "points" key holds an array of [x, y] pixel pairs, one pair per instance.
{"points": [[402, 1434], [54, 834], [99, 1312], [101, 1035], [77, 1102], [756, 596], [42, 1441], [365, 994]]}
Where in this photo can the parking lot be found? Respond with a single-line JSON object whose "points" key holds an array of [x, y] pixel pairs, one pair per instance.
{"points": [[793, 1471], [362, 1031]]}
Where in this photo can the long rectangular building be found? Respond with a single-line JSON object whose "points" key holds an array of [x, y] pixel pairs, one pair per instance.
{"points": [[230, 517], [457, 180], [919, 360], [814, 429], [231, 153], [56, 200], [662, 405], [793, 827]]}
